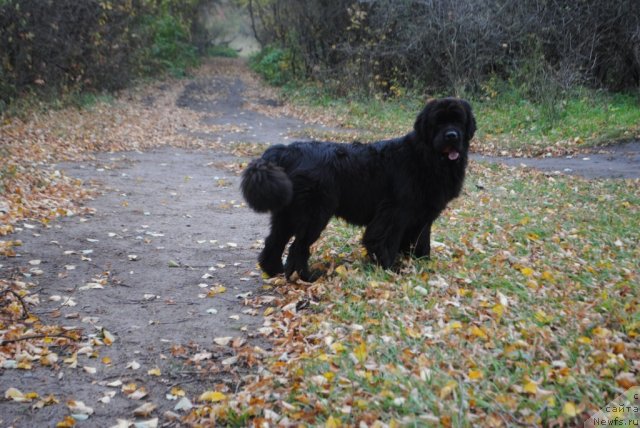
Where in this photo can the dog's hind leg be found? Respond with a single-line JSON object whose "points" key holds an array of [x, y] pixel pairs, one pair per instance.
{"points": [[270, 258], [308, 230]]}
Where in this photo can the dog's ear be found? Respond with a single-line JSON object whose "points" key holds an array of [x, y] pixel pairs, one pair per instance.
{"points": [[421, 126], [471, 120]]}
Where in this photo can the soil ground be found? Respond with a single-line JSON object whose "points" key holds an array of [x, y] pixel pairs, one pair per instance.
{"points": [[615, 161], [168, 226]]}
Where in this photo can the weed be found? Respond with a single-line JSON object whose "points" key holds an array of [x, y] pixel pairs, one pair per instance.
{"points": [[222, 51]]}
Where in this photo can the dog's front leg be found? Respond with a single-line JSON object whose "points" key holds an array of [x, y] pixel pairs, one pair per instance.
{"points": [[422, 247]]}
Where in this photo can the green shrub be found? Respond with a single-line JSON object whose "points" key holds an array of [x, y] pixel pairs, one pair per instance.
{"points": [[171, 46], [275, 65], [223, 51]]}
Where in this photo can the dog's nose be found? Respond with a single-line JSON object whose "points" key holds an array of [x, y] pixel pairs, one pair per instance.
{"points": [[451, 136]]}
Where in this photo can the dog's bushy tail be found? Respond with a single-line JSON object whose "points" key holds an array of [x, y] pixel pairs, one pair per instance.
{"points": [[265, 186]]}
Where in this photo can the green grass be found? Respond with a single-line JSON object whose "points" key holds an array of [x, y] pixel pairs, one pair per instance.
{"points": [[586, 116], [526, 314], [40, 102], [507, 121], [553, 268], [222, 51]]}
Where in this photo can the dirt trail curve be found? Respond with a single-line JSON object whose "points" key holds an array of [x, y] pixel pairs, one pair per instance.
{"points": [[163, 264], [616, 161], [169, 231]]}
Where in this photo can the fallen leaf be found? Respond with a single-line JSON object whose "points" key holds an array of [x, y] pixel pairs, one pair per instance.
{"points": [[133, 365], [144, 410], [569, 409], [222, 341], [183, 404], [212, 396], [79, 407]]}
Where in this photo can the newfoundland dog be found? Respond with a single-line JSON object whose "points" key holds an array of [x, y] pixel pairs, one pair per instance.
{"points": [[396, 188]]}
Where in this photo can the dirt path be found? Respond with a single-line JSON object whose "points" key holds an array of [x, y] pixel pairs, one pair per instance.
{"points": [[616, 161], [164, 264]]}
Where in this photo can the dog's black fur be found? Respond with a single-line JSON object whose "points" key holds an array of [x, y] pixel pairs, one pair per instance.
{"points": [[396, 188]]}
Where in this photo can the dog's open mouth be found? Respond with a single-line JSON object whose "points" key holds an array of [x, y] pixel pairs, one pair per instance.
{"points": [[452, 153]]}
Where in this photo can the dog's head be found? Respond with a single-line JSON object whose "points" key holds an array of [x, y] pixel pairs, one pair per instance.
{"points": [[446, 126]]}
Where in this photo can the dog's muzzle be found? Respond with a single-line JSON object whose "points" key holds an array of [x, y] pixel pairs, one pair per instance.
{"points": [[452, 139]]}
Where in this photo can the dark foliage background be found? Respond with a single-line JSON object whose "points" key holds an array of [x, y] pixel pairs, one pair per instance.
{"points": [[444, 45], [93, 45]]}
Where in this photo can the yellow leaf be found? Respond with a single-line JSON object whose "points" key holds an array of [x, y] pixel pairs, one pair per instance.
{"points": [[455, 325], [332, 423], [547, 276], [268, 311], [154, 372], [177, 391], [477, 331], [584, 340], [551, 401], [341, 270], [569, 409], [67, 422], [106, 360], [337, 347], [526, 271], [323, 357], [531, 387], [216, 290], [24, 365], [542, 317], [212, 396], [413, 333], [329, 376], [108, 337], [31, 395], [361, 352], [129, 388], [601, 332], [446, 390], [464, 292], [533, 284], [475, 374], [498, 309]]}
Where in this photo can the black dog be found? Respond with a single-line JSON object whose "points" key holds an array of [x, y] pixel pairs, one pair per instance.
{"points": [[396, 188]]}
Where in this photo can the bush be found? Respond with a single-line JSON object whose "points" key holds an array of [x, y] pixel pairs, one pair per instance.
{"points": [[53, 47], [275, 65], [171, 46], [453, 46]]}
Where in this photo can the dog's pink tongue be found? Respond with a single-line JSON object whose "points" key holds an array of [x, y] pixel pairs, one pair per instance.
{"points": [[453, 155]]}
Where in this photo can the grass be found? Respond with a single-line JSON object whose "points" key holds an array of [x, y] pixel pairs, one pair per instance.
{"points": [[222, 51], [527, 314], [36, 102], [507, 122], [584, 116]]}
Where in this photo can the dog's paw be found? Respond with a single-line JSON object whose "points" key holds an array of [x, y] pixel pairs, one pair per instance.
{"points": [[271, 269], [304, 275]]}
